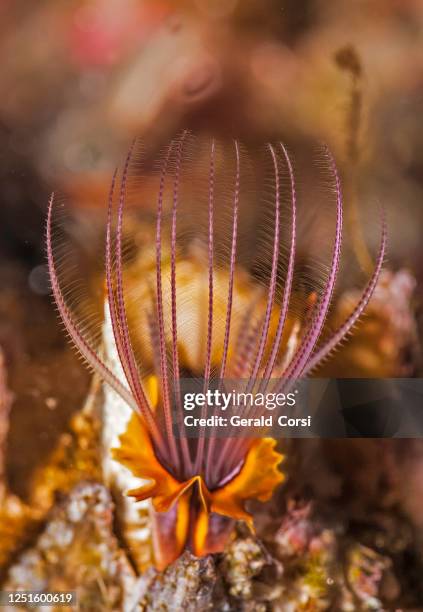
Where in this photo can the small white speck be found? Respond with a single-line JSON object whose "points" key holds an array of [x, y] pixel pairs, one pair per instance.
{"points": [[51, 403]]}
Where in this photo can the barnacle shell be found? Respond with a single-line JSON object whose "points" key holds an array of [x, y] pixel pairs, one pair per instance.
{"points": [[192, 282]]}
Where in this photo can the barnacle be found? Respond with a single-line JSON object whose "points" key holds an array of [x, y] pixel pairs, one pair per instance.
{"points": [[215, 301]]}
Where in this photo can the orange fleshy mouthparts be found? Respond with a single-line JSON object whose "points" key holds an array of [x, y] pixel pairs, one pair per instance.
{"points": [[189, 507]]}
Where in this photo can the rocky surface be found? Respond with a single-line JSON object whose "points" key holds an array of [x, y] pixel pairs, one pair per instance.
{"points": [[77, 551]]}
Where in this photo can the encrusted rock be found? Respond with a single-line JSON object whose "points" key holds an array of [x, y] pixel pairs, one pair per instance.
{"points": [[77, 551], [365, 569], [324, 569], [243, 563], [188, 584]]}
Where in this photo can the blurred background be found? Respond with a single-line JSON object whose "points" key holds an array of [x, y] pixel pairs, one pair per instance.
{"points": [[80, 80]]}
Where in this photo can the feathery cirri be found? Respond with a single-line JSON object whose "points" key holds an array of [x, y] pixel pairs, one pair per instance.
{"points": [[202, 309]]}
